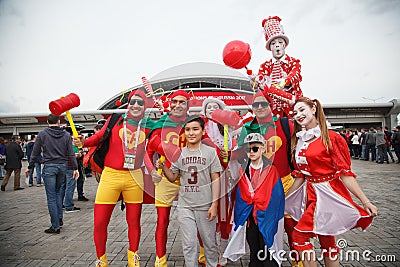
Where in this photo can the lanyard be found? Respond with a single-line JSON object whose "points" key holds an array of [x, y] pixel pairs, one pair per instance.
{"points": [[137, 136]]}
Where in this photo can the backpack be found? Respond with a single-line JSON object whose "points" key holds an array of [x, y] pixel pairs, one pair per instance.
{"points": [[286, 130], [94, 159]]}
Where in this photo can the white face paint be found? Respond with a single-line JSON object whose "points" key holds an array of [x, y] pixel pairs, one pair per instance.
{"points": [[303, 114], [277, 47], [210, 108]]}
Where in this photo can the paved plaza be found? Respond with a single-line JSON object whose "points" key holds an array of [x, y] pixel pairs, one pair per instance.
{"points": [[24, 217]]}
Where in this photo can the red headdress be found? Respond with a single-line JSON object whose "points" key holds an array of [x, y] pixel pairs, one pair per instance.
{"points": [[181, 92]]}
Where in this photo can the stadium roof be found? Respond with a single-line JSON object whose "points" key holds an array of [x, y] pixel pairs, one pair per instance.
{"points": [[198, 69], [190, 76]]}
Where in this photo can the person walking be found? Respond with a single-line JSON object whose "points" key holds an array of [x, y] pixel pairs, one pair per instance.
{"points": [[79, 154], [68, 189], [396, 142], [388, 139], [14, 156], [2, 158], [355, 144], [56, 145], [370, 141], [381, 146], [363, 144], [38, 163]]}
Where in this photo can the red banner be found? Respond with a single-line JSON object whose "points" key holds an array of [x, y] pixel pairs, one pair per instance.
{"points": [[229, 98]]}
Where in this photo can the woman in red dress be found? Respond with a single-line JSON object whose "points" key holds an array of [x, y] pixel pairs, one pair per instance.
{"points": [[320, 199]]}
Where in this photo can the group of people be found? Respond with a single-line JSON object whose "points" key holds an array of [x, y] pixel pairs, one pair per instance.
{"points": [[375, 144], [247, 183], [235, 183], [17, 153]]}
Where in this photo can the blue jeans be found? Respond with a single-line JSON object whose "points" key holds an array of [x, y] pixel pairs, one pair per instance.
{"points": [[38, 169], [397, 151], [389, 151], [67, 192], [2, 171], [54, 178], [363, 149]]}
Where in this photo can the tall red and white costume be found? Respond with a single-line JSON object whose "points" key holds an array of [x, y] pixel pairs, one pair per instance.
{"points": [[282, 70], [273, 71]]}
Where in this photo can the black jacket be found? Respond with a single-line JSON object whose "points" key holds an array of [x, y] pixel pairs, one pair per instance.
{"points": [[396, 138], [14, 155]]}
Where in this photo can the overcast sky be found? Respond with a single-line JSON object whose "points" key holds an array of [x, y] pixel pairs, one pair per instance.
{"points": [[96, 49]]}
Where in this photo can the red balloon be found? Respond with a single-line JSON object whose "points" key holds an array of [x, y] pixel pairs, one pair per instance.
{"points": [[236, 54]]}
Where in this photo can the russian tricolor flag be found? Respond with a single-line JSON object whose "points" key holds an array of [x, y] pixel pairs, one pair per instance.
{"points": [[266, 203]]}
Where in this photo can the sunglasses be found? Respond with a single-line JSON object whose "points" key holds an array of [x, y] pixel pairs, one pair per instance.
{"points": [[174, 101], [263, 104], [138, 101], [253, 148]]}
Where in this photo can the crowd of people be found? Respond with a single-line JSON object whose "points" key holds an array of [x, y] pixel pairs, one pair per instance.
{"points": [[378, 144], [235, 184]]}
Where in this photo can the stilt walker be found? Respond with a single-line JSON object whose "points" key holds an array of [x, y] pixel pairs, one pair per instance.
{"points": [[282, 71]]}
